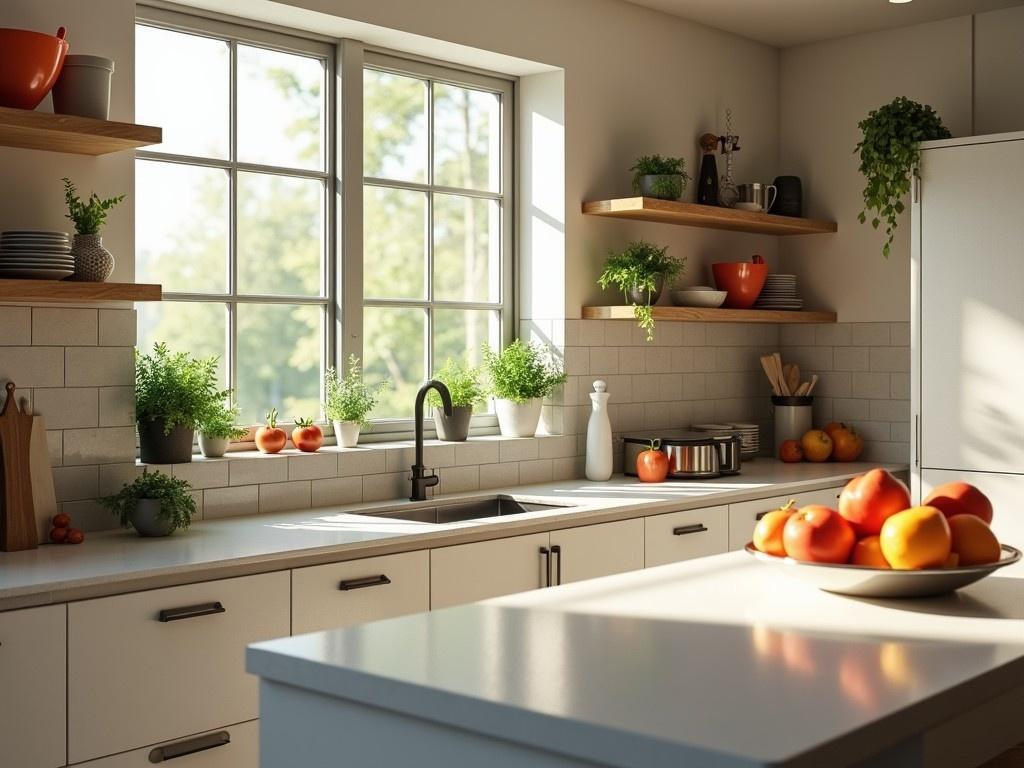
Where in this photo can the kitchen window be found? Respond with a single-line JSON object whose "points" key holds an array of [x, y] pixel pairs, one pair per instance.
{"points": [[240, 212]]}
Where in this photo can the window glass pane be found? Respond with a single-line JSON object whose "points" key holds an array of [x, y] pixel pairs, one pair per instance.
{"points": [[393, 349], [280, 108], [182, 84], [394, 243], [467, 248], [198, 328], [394, 126], [467, 138], [280, 235], [181, 226], [279, 361], [460, 333]]}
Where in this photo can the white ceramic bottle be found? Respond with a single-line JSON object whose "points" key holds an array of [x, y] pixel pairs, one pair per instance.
{"points": [[599, 436]]}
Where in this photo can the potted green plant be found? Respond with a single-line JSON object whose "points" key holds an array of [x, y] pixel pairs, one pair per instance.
{"points": [[348, 401], [890, 152], [463, 382], [93, 262], [173, 391], [664, 178], [520, 377], [154, 504], [640, 271], [217, 428]]}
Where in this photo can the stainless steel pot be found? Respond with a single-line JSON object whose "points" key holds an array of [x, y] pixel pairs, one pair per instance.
{"points": [[729, 448], [690, 455]]}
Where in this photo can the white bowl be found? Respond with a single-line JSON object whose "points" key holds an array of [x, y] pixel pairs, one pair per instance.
{"points": [[698, 298], [750, 207]]}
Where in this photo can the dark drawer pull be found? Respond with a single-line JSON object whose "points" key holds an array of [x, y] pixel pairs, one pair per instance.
{"points": [[682, 530], [366, 581], [557, 550], [189, 746], [759, 515], [191, 611]]}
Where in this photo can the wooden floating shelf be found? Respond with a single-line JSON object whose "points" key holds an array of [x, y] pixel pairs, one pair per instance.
{"points": [[29, 129], [68, 291], [708, 216], [703, 315]]}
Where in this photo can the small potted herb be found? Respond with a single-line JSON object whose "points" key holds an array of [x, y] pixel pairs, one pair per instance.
{"points": [[217, 428], [664, 178], [640, 271], [349, 401], [521, 376], [173, 391], [154, 504], [93, 262], [463, 382]]}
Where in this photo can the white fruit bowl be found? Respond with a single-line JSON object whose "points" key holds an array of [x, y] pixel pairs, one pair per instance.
{"points": [[863, 581], [699, 298]]}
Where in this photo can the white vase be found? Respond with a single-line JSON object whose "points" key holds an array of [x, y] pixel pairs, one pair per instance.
{"points": [[213, 447], [347, 433], [518, 419], [599, 436]]}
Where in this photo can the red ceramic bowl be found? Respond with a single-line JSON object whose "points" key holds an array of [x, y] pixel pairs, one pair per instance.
{"points": [[743, 281], [30, 63]]}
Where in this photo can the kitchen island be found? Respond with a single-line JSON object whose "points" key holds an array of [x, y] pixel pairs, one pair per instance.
{"points": [[715, 662]]}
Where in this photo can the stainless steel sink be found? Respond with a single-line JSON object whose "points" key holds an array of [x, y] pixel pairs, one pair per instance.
{"points": [[471, 509]]}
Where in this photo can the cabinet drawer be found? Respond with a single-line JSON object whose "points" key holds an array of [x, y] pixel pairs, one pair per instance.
{"points": [[33, 644], [236, 746], [339, 594], [159, 665], [466, 573], [685, 535], [744, 515], [598, 550]]}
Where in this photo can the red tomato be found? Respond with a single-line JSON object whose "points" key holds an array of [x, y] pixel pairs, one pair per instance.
{"points": [[75, 536], [790, 451], [960, 499], [61, 520], [307, 436], [652, 465], [271, 438], [819, 535], [870, 499], [58, 535]]}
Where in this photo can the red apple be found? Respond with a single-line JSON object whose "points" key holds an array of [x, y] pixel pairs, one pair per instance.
{"points": [[818, 534], [869, 500], [960, 499]]}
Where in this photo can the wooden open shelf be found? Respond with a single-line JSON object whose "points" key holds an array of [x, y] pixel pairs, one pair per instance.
{"points": [[67, 291], [29, 129], [708, 216], [702, 315]]}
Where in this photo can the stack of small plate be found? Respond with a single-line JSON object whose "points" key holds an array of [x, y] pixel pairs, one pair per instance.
{"points": [[750, 435], [33, 253], [779, 292]]}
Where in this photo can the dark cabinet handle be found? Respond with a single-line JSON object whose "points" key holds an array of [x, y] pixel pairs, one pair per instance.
{"points": [[545, 553], [189, 746], [557, 550], [191, 611], [682, 530], [366, 581], [759, 515]]}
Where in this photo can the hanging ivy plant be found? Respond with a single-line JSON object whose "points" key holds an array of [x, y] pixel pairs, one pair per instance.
{"points": [[889, 152]]}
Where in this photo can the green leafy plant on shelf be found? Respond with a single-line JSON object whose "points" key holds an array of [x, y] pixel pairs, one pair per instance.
{"points": [[177, 506], [463, 382], [521, 371], [669, 176], [175, 387], [90, 215], [640, 269], [349, 399], [219, 421], [890, 151]]}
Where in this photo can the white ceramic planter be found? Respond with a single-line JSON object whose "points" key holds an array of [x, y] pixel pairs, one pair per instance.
{"points": [[518, 419], [213, 447], [347, 433]]}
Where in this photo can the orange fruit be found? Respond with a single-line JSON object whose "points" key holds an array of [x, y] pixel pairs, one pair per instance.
{"points": [[868, 551], [768, 531], [847, 445], [915, 538], [816, 444], [973, 541]]}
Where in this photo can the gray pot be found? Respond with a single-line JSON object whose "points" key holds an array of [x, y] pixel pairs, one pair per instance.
{"points": [[668, 186], [146, 520], [93, 262], [157, 448], [637, 295], [213, 447], [454, 428], [83, 87]]}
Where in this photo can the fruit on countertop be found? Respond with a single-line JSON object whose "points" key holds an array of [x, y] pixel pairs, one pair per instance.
{"points": [[847, 444], [959, 498], [791, 452], [817, 445], [61, 520], [62, 532], [818, 534], [973, 541], [307, 436], [75, 536], [868, 551], [768, 531], [916, 538], [652, 464], [58, 535], [869, 499], [271, 438]]}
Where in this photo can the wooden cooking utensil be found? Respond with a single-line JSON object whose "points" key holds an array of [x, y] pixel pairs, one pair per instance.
{"points": [[768, 364], [780, 374], [814, 381], [792, 372], [18, 529]]}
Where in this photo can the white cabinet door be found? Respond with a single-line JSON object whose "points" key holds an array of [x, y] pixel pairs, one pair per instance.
{"points": [[685, 535], [237, 746], [597, 550], [466, 573], [168, 663], [971, 308], [33, 644], [744, 515], [357, 591]]}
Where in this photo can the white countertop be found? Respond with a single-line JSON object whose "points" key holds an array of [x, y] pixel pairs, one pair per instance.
{"points": [[718, 662], [120, 561]]}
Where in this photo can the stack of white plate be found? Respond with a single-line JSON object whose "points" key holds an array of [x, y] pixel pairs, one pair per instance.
{"points": [[34, 253], [779, 292], [750, 438]]}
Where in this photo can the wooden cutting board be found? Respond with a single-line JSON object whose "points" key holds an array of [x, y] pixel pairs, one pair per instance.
{"points": [[17, 515], [44, 496]]}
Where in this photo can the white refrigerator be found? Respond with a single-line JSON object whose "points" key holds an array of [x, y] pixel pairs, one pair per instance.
{"points": [[967, 374]]}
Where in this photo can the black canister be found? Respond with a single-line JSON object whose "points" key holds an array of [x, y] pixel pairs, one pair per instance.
{"points": [[789, 196]]}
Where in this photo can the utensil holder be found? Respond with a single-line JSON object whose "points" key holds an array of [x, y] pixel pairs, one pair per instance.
{"points": [[793, 416]]}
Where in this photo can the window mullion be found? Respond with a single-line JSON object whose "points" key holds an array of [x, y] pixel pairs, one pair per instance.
{"points": [[232, 307], [429, 320]]}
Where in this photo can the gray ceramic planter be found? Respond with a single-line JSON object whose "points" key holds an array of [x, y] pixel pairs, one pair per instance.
{"points": [[146, 520], [662, 186], [637, 295], [454, 428], [213, 447]]}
